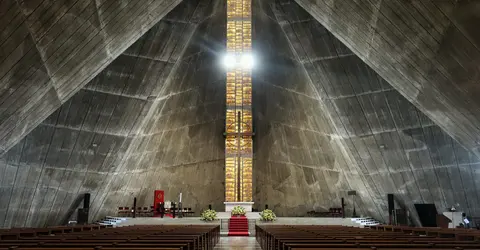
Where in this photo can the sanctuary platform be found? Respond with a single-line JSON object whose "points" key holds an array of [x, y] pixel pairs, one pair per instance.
{"points": [[120, 222], [223, 221]]}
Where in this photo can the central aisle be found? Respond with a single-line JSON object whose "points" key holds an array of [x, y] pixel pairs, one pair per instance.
{"points": [[237, 243]]}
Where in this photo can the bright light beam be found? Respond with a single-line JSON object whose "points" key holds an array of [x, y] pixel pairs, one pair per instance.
{"points": [[229, 61], [246, 61]]}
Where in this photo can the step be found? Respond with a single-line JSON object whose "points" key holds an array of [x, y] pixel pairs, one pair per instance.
{"points": [[238, 234], [238, 226]]}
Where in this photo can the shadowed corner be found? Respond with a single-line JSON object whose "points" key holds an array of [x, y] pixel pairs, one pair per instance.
{"points": [[71, 211]]}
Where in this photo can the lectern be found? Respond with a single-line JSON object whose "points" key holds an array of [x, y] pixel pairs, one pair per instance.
{"points": [[442, 221]]}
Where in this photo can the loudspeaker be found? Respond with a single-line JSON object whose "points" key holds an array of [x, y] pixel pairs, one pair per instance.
{"points": [[134, 207], [343, 207], [82, 216], [402, 218], [391, 208], [427, 214], [86, 201], [266, 206], [210, 206]]}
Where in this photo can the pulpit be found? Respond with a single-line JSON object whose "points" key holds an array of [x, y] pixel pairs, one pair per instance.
{"points": [[443, 221], [455, 218]]}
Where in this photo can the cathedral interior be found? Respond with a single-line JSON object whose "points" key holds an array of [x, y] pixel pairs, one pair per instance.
{"points": [[117, 98]]}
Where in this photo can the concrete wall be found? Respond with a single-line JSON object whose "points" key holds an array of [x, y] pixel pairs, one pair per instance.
{"points": [[325, 121], [49, 50], [389, 145], [427, 50], [300, 164], [128, 131]]}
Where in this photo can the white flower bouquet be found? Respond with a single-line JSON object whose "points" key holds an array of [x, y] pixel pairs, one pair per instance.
{"points": [[238, 210], [208, 215], [267, 215]]}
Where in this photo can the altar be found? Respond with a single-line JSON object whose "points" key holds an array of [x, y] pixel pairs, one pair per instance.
{"points": [[230, 205]]}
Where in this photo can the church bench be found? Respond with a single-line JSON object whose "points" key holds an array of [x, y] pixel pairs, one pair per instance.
{"points": [[468, 236], [108, 239], [193, 242], [202, 236], [199, 238], [103, 248], [369, 248], [313, 237], [142, 237], [290, 246], [351, 245], [412, 240], [18, 233], [282, 243], [443, 232], [162, 244]]}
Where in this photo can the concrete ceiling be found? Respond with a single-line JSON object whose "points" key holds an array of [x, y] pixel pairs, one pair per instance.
{"points": [[332, 111]]}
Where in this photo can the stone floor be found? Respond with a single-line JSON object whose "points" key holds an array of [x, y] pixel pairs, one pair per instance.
{"points": [[237, 243]]}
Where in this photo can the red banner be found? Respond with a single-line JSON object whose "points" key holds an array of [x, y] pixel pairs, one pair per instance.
{"points": [[159, 196]]}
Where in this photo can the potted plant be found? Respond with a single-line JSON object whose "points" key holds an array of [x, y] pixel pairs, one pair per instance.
{"points": [[267, 215], [238, 211], [208, 215]]}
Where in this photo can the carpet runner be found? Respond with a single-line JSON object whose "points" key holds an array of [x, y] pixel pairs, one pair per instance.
{"points": [[238, 226]]}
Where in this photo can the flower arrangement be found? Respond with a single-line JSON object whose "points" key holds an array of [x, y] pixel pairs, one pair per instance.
{"points": [[238, 210], [267, 215], [208, 215]]}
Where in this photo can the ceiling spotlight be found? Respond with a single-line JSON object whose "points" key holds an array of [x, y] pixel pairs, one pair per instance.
{"points": [[229, 61]]}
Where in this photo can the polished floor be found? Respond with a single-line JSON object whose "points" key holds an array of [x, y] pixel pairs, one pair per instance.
{"points": [[237, 243]]}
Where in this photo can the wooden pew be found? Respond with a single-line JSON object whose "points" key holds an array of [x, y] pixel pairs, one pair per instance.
{"points": [[185, 237], [329, 237], [17, 233]]}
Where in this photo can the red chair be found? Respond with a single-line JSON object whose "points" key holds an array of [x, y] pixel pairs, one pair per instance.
{"points": [[120, 211]]}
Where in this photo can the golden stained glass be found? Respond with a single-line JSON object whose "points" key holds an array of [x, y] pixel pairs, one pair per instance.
{"points": [[238, 127]]}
